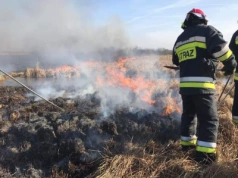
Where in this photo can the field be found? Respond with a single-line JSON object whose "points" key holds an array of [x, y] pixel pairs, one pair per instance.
{"points": [[126, 126]]}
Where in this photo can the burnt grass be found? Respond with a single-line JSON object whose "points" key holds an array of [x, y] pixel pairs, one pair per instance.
{"points": [[38, 140]]}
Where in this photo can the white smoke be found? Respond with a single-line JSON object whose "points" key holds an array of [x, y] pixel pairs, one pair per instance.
{"points": [[112, 97], [56, 28]]}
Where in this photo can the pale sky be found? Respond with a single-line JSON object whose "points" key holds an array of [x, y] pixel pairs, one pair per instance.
{"points": [[156, 23]]}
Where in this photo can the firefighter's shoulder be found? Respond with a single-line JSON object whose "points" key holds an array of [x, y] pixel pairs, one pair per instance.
{"points": [[212, 28]]}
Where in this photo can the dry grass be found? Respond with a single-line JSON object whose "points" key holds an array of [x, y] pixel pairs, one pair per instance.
{"points": [[167, 161], [50, 73]]}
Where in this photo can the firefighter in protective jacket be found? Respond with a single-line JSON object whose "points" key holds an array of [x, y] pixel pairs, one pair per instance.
{"points": [[197, 51], [234, 48]]}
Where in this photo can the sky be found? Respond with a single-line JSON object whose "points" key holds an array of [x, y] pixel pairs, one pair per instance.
{"points": [[156, 23]]}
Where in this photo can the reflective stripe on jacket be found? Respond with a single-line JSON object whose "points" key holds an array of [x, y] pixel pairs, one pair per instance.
{"points": [[197, 82]]}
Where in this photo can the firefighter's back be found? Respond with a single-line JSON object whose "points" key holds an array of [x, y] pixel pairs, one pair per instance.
{"points": [[194, 60]]}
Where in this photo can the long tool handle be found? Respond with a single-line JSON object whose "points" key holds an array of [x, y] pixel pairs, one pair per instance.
{"points": [[224, 87], [225, 96], [177, 68], [32, 90], [172, 67]]}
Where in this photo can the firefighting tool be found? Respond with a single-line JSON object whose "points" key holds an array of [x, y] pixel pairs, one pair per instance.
{"points": [[219, 104], [224, 88], [32, 90], [177, 68], [172, 67]]}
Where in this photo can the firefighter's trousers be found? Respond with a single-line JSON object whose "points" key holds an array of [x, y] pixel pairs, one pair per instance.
{"points": [[199, 122], [235, 104]]}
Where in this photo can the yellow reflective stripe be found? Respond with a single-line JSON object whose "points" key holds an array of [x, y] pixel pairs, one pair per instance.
{"points": [[188, 143], [225, 56], [197, 85], [190, 45], [205, 149], [183, 26], [237, 42]]}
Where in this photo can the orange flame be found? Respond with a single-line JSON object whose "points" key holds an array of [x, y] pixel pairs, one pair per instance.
{"points": [[168, 110], [121, 62], [115, 76]]}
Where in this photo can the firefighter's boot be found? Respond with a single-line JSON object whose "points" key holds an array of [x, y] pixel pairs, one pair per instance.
{"points": [[205, 158], [188, 148]]}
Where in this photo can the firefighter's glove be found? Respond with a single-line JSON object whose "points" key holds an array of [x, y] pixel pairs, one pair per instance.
{"points": [[227, 71]]}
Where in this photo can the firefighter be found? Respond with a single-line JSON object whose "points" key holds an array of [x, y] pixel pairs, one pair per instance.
{"points": [[197, 51], [234, 48]]}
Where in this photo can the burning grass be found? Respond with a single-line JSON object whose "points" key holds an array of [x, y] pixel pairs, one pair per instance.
{"points": [[37, 140]]}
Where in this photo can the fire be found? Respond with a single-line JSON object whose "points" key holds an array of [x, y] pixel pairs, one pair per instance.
{"points": [[121, 62], [113, 74], [168, 110], [116, 77]]}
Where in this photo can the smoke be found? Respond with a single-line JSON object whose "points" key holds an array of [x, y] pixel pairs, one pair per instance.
{"points": [[57, 29], [112, 93]]}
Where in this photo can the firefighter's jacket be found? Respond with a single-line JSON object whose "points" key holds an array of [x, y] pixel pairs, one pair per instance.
{"points": [[197, 51], [234, 48]]}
